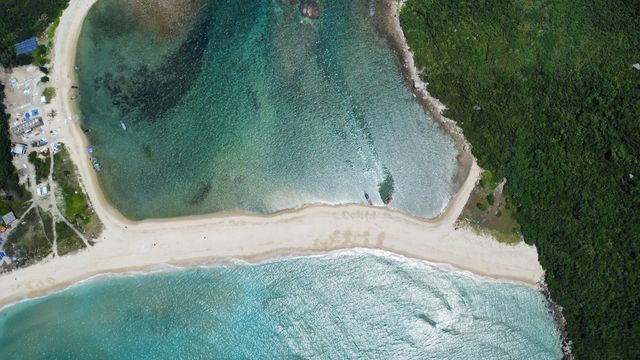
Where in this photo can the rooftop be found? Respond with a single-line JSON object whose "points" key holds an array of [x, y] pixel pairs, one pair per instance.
{"points": [[9, 218], [27, 46]]}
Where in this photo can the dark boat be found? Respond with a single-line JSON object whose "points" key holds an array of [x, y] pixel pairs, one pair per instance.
{"points": [[366, 196], [96, 164]]}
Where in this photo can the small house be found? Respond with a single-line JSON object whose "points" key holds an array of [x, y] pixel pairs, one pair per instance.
{"points": [[19, 149], [27, 46], [9, 218]]}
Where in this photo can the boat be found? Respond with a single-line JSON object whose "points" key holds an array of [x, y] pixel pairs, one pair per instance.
{"points": [[366, 196], [123, 125], [96, 165]]}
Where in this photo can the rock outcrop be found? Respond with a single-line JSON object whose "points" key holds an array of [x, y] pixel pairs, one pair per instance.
{"points": [[310, 9]]}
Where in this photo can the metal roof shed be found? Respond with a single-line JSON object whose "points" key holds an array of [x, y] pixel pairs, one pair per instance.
{"points": [[9, 218], [27, 46]]}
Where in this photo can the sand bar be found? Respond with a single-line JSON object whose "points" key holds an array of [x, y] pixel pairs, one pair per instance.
{"points": [[127, 246]]}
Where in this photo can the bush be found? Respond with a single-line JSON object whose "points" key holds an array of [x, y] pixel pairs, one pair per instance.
{"points": [[49, 93], [42, 165]]}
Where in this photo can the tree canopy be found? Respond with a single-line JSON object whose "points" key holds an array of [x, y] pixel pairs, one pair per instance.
{"points": [[22, 19], [560, 118]]}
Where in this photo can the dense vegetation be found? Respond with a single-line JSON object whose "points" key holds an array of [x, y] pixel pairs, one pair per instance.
{"points": [[42, 163], [22, 19], [560, 118], [76, 207], [8, 178], [49, 93], [12, 196]]}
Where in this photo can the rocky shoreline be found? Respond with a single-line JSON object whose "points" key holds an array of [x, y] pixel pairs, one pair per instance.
{"points": [[387, 20], [561, 322]]}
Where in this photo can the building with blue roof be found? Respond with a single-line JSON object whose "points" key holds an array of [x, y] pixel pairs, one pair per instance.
{"points": [[27, 46]]}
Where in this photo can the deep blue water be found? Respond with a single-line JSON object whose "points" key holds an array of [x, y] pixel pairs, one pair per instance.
{"points": [[343, 305]]}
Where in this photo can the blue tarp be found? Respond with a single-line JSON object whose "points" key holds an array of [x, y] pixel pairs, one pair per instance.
{"points": [[34, 112], [27, 116], [26, 46]]}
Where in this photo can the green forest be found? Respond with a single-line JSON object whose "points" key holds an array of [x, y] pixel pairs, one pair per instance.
{"points": [[11, 194], [559, 117], [22, 19]]}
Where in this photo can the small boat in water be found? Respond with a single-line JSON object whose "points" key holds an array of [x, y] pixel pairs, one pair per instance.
{"points": [[123, 125], [366, 196], [96, 165]]}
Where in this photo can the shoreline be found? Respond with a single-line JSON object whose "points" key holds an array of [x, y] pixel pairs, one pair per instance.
{"points": [[387, 19], [313, 229], [255, 239], [64, 75], [209, 263]]}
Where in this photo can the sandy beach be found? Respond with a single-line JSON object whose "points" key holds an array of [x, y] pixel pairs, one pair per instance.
{"points": [[126, 245]]}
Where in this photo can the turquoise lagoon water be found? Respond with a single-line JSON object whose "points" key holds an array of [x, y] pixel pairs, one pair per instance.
{"points": [[248, 106], [342, 305]]}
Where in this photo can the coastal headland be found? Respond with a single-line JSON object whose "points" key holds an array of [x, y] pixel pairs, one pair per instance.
{"points": [[126, 245]]}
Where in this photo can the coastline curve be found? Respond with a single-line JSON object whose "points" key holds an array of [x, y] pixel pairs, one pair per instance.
{"points": [[127, 245]]}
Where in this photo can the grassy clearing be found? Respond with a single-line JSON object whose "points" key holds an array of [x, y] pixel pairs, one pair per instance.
{"points": [[75, 205], [27, 243], [18, 203], [489, 211], [68, 240]]}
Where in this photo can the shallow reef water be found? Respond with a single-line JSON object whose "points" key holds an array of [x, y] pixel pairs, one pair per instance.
{"points": [[249, 106]]}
